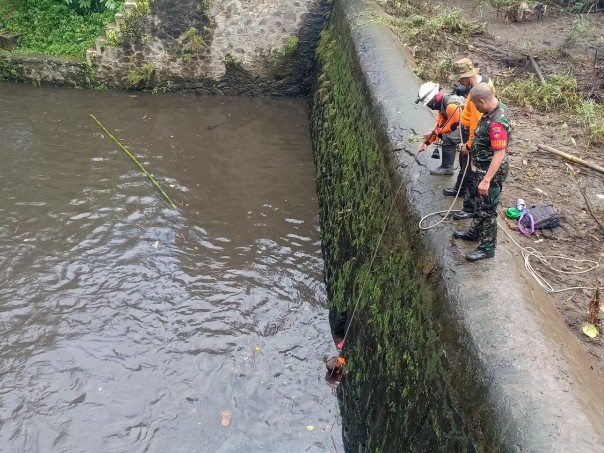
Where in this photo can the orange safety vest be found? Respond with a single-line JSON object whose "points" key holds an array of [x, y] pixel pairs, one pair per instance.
{"points": [[471, 116]]}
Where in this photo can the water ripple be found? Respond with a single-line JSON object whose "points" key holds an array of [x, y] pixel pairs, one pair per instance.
{"points": [[129, 326]]}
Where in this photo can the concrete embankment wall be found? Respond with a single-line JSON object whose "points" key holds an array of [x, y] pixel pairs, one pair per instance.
{"points": [[442, 355]]}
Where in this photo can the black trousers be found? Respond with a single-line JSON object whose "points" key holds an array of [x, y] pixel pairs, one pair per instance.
{"points": [[468, 185]]}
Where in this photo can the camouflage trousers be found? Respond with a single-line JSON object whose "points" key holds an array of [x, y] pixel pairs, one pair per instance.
{"points": [[484, 223]]}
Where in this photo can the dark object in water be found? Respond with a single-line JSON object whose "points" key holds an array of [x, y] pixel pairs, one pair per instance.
{"points": [[335, 365]]}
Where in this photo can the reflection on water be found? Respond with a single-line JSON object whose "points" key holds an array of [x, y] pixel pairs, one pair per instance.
{"points": [[130, 326]]}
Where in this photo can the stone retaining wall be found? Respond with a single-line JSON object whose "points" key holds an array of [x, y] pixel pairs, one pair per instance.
{"points": [[251, 47]]}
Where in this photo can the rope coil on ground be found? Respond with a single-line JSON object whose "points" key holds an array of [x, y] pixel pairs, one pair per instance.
{"points": [[448, 211], [527, 252]]}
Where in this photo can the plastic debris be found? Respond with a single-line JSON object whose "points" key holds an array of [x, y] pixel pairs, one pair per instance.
{"points": [[310, 427], [225, 419], [590, 330], [513, 213]]}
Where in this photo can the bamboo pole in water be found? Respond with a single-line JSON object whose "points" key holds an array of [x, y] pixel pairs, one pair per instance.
{"points": [[135, 161]]}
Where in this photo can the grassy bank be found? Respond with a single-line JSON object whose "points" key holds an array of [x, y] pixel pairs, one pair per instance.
{"points": [[52, 28], [558, 94]]}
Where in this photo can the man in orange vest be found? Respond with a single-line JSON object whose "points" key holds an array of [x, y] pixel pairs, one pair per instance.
{"points": [[449, 108], [467, 75]]}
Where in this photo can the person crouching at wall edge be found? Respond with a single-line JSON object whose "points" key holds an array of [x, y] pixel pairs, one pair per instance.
{"points": [[449, 108], [491, 139]]}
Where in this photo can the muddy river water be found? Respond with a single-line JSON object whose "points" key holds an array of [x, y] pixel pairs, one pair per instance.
{"points": [[131, 326]]}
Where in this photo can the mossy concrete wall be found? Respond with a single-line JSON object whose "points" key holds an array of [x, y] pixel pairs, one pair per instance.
{"points": [[441, 356]]}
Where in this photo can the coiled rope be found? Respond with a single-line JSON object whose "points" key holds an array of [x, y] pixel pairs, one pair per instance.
{"points": [[527, 252]]}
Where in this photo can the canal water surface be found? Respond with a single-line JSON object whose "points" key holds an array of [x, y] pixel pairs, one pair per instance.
{"points": [[131, 326]]}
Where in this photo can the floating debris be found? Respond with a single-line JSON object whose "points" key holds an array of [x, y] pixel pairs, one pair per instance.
{"points": [[225, 419]]}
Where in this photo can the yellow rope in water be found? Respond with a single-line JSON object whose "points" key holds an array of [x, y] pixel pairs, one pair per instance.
{"points": [[135, 161]]}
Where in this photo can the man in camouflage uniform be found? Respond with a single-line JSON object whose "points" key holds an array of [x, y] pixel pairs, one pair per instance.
{"points": [[491, 139]]}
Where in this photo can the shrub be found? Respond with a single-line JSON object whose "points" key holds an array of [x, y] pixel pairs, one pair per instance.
{"points": [[141, 75], [52, 28]]}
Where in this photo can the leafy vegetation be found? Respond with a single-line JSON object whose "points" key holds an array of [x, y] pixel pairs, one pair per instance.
{"points": [[430, 32], [87, 6], [231, 60], [582, 28], [141, 75], [193, 40], [591, 115], [289, 48], [558, 94], [51, 27]]}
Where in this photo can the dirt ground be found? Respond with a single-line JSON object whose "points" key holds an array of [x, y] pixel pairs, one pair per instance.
{"points": [[541, 177]]}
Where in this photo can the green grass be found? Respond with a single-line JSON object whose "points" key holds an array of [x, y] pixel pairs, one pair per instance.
{"points": [[289, 48], [429, 31], [591, 115], [558, 94], [51, 28], [581, 29]]}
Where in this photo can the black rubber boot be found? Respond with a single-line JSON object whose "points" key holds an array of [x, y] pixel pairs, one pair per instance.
{"points": [[467, 235], [446, 166], [462, 215], [479, 254], [451, 192]]}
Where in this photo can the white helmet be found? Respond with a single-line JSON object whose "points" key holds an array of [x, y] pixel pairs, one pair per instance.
{"points": [[427, 92]]}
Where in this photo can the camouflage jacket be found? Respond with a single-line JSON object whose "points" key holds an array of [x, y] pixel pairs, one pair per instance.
{"points": [[494, 132]]}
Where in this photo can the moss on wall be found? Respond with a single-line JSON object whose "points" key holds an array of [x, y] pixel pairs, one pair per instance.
{"points": [[397, 393]]}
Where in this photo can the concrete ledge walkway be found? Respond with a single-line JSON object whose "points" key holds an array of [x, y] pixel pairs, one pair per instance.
{"points": [[540, 380]]}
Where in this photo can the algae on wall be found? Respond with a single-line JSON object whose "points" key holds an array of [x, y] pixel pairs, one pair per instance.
{"points": [[397, 393]]}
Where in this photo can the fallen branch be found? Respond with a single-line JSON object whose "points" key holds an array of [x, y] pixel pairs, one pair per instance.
{"points": [[537, 70], [490, 47], [135, 161], [594, 304], [570, 157], [589, 208]]}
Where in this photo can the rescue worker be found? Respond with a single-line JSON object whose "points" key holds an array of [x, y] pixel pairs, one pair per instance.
{"points": [[449, 108], [466, 75], [491, 139]]}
